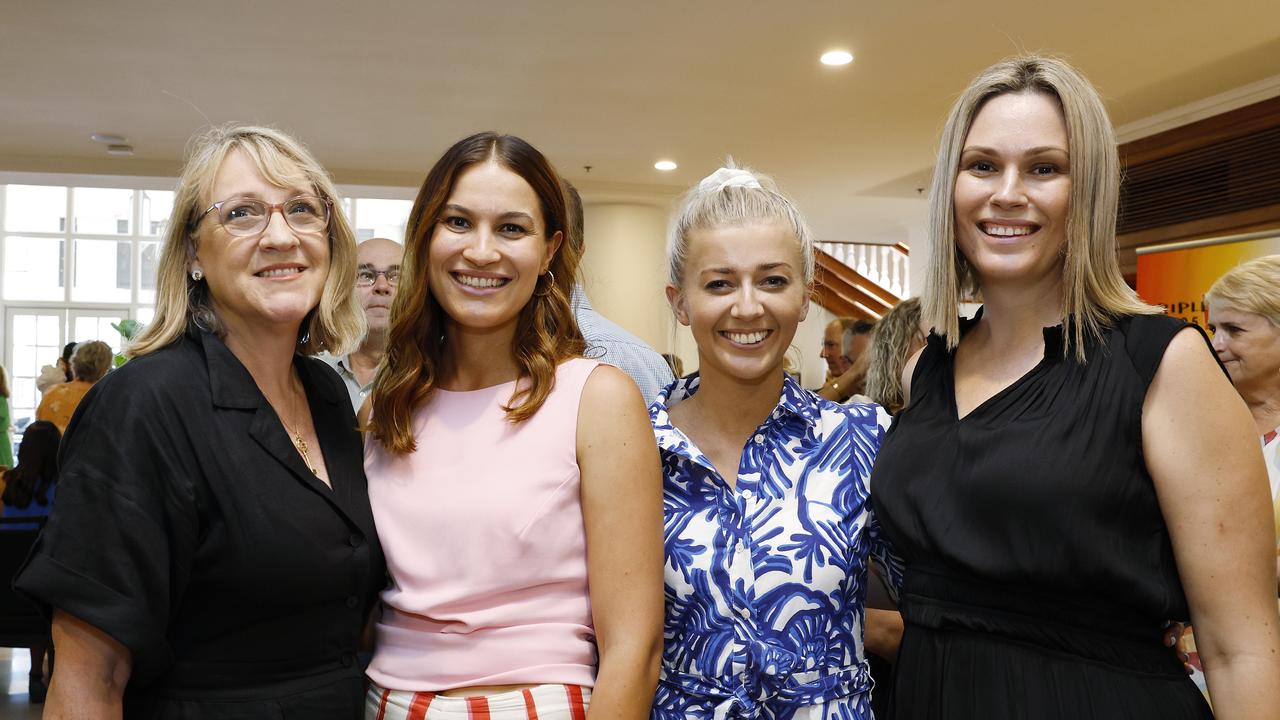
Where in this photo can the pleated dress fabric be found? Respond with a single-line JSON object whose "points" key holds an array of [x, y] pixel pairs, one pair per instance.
{"points": [[1039, 570]]}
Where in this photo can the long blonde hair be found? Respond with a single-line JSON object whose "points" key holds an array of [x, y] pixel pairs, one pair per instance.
{"points": [[891, 342], [1094, 291], [336, 324]]}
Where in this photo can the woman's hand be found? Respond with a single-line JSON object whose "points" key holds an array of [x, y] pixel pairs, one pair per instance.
{"points": [[622, 509], [1201, 448], [90, 675]]}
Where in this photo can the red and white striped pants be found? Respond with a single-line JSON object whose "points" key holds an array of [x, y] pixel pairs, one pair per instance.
{"points": [[544, 702]]}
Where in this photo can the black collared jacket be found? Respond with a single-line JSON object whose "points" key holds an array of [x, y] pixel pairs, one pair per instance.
{"points": [[188, 528]]}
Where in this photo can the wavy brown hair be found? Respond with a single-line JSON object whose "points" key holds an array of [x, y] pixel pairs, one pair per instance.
{"points": [[546, 333]]}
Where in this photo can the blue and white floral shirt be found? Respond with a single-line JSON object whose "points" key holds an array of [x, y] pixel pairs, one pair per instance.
{"points": [[765, 583]]}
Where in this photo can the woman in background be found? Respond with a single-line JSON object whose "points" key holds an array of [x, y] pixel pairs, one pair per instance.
{"points": [[57, 373], [897, 337], [1244, 316], [89, 363], [515, 483], [28, 492], [6, 422], [1072, 468], [768, 524]]}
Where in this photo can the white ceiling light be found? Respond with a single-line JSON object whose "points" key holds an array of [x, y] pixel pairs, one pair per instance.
{"points": [[837, 57], [665, 165], [109, 138], [120, 150]]}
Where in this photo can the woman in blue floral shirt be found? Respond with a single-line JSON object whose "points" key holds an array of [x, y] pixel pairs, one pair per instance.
{"points": [[768, 525]]}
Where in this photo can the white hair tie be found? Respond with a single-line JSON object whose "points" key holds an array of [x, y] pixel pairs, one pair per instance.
{"points": [[728, 177]]}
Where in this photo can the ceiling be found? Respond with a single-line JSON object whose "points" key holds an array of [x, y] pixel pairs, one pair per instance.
{"points": [[378, 90]]}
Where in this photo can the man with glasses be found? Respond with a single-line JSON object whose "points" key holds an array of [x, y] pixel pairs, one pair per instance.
{"points": [[377, 272]]}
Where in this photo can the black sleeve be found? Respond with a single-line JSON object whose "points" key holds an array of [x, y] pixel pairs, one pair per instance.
{"points": [[118, 547]]}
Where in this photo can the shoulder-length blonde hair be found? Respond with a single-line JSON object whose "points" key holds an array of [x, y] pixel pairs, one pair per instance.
{"points": [[335, 325], [1252, 287], [1094, 291], [546, 332]]}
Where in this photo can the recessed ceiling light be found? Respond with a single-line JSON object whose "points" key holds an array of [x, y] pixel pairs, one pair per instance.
{"points": [[837, 57], [120, 150], [108, 138], [665, 165]]}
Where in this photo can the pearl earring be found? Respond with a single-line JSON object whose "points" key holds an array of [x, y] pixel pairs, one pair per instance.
{"points": [[197, 274]]}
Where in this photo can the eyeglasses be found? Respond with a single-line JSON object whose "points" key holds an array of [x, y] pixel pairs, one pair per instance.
{"points": [[247, 216], [365, 278]]}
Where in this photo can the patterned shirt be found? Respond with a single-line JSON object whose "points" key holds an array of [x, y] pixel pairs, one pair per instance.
{"points": [[765, 584], [608, 342]]}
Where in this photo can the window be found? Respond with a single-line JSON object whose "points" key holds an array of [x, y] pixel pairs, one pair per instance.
{"points": [[79, 253]]}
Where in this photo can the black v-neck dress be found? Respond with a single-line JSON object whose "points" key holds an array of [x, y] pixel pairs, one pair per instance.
{"points": [[1039, 570]]}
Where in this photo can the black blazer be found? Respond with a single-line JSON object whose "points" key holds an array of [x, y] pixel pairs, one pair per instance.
{"points": [[188, 528]]}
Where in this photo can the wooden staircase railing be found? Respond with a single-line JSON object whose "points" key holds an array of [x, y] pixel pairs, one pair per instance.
{"points": [[845, 292]]}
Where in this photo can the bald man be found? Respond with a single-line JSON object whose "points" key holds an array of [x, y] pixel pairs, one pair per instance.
{"points": [[377, 272]]}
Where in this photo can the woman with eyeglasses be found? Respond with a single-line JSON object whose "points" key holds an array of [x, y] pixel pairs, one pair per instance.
{"points": [[212, 552]]}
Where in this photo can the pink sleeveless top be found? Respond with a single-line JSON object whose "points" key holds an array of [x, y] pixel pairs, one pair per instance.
{"points": [[483, 532]]}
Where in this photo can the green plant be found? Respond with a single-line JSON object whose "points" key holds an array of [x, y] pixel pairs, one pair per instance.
{"points": [[128, 330]]}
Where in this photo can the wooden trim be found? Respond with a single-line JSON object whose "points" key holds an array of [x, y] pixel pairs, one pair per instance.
{"points": [[1251, 220], [1236, 123]]}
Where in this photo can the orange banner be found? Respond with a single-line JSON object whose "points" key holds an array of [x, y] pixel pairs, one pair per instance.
{"points": [[1178, 278]]}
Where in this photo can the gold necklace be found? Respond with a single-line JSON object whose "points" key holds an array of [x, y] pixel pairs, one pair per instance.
{"points": [[301, 444]]}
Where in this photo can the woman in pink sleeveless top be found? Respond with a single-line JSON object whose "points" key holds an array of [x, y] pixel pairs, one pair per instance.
{"points": [[515, 484]]}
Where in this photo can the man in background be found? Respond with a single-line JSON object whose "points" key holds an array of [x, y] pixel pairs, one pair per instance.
{"points": [[377, 273], [606, 340], [844, 341]]}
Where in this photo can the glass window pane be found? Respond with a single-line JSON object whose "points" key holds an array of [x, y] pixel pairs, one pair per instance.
{"points": [[156, 207], [33, 268], [382, 218], [148, 261], [144, 315], [98, 327], [103, 270], [49, 331], [35, 208], [33, 347], [102, 211]]}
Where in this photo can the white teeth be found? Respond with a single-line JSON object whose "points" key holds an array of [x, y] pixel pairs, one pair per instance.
{"points": [[747, 338], [478, 282], [1007, 230], [279, 272]]}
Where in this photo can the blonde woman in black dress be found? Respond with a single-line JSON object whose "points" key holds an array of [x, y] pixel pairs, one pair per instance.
{"points": [[1072, 468]]}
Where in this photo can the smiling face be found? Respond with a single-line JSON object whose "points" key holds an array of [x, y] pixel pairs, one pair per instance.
{"points": [[488, 249], [1248, 344], [1013, 189], [265, 282], [743, 295], [377, 255]]}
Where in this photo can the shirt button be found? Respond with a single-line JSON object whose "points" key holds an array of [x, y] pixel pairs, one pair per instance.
{"points": [[759, 439], [352, 601], [745, 612], [356, 540], [746, 494]]}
